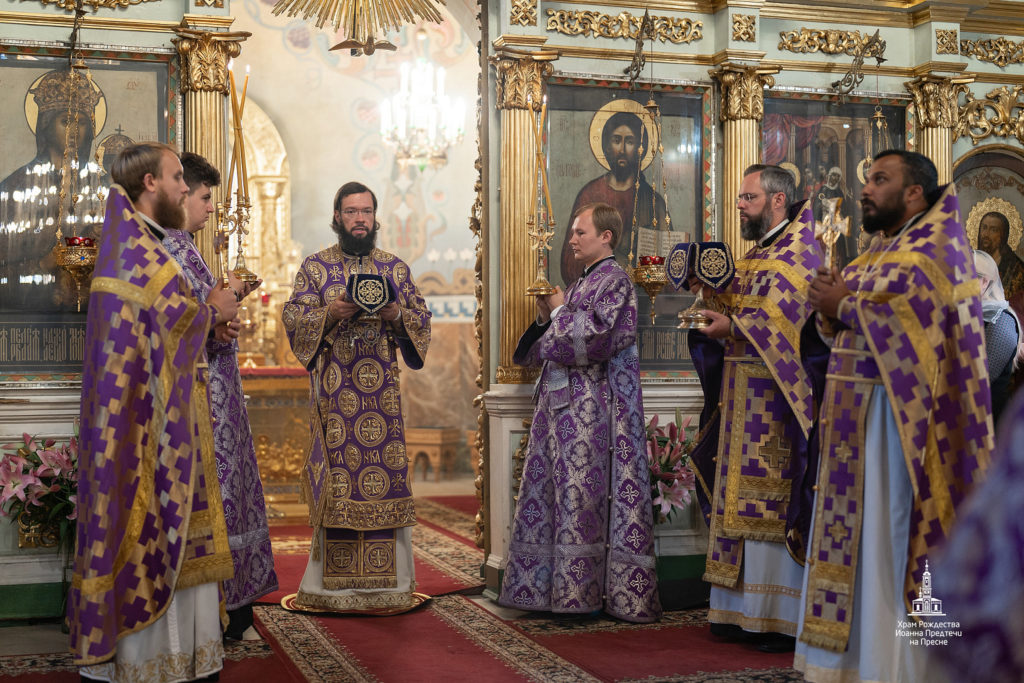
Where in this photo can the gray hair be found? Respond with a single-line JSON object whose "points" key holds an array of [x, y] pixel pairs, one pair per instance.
{"points": [[775, 179]]}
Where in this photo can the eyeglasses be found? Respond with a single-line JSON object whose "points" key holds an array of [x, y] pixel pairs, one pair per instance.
{"points": [[352, 213], [747, 197]]}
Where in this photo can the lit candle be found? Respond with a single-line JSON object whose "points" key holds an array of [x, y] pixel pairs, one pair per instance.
{"points": [[231, 171]]}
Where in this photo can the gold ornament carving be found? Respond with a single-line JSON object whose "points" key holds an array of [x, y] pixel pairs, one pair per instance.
{"points": [[476, 226], [521, 78], [210, 3], [523, 12], [623, 25], [998, 51], [519, 458], [1000, 114], [946, 42], [204, 58], [744, 28], [743, 90], [69, 5], [516, 375], [830, 42], [935, 99]]}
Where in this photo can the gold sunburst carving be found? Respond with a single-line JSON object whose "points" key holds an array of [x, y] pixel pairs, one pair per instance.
{"points": [[365, 22]]}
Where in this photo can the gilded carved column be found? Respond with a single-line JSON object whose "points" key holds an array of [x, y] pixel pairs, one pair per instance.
{"points": [[204, 82], [742, 110], [520, 74], [935, 103]]}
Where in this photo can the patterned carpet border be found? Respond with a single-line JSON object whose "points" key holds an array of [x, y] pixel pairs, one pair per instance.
{"points": [[453, 558], [773, 675], [453, 520], [20, 665], [317, 655], [548, 624], [506, 643]]}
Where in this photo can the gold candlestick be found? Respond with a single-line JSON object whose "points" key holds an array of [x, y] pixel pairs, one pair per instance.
{"points": [[539, 224], [541, 244]]}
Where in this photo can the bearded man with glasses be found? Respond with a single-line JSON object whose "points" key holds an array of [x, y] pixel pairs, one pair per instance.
{"points": [[355, 475], [770, 364]]}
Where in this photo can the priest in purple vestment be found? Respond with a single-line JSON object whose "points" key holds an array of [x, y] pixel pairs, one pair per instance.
{"points": [[152, 545], [582, 535], [772, 371], [237, 469], [355, 478], [906, 426]]}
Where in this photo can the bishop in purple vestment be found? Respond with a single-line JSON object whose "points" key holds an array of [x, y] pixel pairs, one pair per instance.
{"points": [[355, 478], [237, 469], [582, 535]]}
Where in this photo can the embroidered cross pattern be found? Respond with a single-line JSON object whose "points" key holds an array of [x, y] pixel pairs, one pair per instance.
{"points": [[777, 451], [838, 531]]}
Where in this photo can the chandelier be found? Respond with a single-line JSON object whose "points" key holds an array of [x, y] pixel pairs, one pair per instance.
{"points": [[420, 121]]}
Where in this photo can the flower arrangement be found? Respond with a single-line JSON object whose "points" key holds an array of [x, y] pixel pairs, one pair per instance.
{"points": [[668, 454], [39, 485]]}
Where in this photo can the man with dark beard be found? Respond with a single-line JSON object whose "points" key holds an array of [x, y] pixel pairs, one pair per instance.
{"points": [[623, 187], [906, 426], [355, 476], [152, 541], [772, 371], [993, 239]]}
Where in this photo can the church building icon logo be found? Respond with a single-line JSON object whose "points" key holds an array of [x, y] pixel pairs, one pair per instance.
{"points": [[925, 604]]}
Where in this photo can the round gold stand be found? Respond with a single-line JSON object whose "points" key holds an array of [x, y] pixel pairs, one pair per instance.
{"points": [[653, 279]]}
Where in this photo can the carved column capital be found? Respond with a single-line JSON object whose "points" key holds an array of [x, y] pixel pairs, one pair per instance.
{"points": [[521, 75], [204, 58], [935, 99], [743, 89]]}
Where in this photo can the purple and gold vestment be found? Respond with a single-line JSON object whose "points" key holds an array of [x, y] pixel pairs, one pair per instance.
{"points": [[582, 535], [237, 470], [355, 476], [150, 519], [913, 325], [760, 486]]}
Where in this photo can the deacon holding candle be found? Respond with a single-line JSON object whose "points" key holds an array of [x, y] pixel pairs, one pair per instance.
{"points": [[237, 469], [582, 535]]}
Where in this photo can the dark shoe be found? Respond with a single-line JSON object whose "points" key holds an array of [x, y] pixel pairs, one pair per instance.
{"points": [[729, 632], [775, 642], [239, 620]]}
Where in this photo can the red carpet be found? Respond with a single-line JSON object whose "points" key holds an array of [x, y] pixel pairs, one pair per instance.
{"points": [[467, 505], [457, 638]]}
